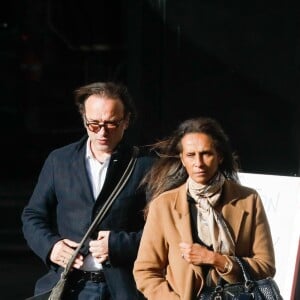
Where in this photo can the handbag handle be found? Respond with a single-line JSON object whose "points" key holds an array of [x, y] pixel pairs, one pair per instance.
{"points": [[244, 267], [128, 171], [248, 280]]}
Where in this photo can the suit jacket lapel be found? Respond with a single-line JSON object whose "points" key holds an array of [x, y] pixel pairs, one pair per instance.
{"points": [[79, 170], [118, 163]]}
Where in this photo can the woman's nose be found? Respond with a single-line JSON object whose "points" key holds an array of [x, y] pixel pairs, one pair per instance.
{"points": [[198, 161]]}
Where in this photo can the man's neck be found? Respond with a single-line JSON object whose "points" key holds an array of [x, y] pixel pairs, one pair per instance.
{"points": [[101, 156]]}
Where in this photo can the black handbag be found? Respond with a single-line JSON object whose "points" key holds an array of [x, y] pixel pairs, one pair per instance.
{"points": [[56, 293], [264, 289]]}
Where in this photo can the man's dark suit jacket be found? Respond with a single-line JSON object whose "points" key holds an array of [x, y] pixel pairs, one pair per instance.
{"points": [[62, 206]]}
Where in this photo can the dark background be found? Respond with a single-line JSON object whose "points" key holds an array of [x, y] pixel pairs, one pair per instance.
{"points": [[236, 61]]}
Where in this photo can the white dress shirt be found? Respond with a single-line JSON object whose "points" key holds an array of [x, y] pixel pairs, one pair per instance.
{"points": [[97, 173]]}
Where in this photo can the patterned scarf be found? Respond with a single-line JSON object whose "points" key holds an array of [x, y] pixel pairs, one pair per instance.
{"points": [[212, 229]]}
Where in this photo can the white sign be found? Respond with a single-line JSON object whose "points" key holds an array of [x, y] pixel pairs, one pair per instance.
{"points": [[281, 199]]}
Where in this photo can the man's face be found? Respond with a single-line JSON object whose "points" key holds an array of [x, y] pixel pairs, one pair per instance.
{"points": [[109, 113], [199, 157]]}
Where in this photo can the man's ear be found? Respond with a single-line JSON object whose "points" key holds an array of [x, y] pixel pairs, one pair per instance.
{"points": [[127, 120]]}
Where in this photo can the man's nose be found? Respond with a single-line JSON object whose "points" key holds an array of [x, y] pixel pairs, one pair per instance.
{"points": [[102, 129]]}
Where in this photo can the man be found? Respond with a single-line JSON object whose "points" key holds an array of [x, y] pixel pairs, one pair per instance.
{"points": [[73, 185]]}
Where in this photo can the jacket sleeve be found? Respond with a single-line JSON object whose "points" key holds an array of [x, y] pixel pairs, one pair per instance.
{"points": [[124, 239], [123, 247], [39, 227]]}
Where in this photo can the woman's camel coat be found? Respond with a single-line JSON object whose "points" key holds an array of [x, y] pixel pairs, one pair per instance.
{"points": [[159, 270]]}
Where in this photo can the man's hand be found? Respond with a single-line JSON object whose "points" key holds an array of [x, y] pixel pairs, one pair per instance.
{"points": [[99, 247], [62, 252]]}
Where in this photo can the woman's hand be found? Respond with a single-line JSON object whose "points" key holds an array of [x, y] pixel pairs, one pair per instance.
{"points": [[196, 254]]}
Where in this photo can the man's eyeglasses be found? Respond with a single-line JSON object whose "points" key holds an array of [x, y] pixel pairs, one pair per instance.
{"points": [[96, 126]]}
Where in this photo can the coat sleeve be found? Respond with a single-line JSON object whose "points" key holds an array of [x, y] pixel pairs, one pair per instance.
{"points": [[149, 267], [262, 260], [253, 240]]}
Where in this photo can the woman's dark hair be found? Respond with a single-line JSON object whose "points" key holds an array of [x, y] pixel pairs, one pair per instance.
{"points": [[106, 89], [168, 171]]}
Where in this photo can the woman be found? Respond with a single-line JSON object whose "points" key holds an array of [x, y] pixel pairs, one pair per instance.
{"points": [[200, 217]]}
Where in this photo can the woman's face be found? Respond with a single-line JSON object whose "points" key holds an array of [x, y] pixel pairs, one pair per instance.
{"points": [[199, 157]]}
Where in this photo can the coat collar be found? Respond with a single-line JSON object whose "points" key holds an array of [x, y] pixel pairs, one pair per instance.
{"points": [[181, 204], [232, 212]]}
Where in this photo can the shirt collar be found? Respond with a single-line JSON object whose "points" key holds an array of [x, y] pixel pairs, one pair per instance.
{"points": [[89, 154]]}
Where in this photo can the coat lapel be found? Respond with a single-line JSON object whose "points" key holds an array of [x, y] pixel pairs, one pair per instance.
{"points": [[230, 211], [183, 216], [183, 224]]}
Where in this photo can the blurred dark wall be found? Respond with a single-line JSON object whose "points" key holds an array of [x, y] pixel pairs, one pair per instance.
{"points": [[236, 62]]}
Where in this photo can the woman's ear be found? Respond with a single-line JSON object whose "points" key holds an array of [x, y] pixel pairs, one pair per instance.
{"points": [[220, 159]]}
